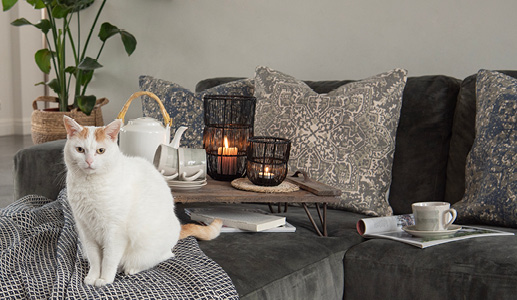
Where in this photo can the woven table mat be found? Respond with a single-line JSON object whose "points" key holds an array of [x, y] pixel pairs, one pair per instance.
{"points": [[246, 185]]}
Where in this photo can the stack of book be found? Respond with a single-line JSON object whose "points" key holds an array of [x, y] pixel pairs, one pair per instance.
{"points": [[239, 219]]}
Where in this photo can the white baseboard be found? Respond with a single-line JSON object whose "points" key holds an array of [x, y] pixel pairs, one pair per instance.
{"points": [[15, 127]]}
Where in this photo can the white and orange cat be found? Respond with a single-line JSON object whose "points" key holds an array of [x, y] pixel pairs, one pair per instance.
{"points": [[122, 206]]}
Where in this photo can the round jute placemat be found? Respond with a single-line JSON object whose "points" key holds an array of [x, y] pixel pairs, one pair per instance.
{"points": [[246, 185]]}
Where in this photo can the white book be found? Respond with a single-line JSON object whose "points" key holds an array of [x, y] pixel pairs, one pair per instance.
{"points": [[237, 217], [288, 227]]}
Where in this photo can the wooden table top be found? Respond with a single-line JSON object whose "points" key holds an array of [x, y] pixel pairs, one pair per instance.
{"points": [[222, 191]]}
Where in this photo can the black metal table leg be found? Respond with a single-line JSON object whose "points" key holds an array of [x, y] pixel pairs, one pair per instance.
{"points": [[323, 218]]}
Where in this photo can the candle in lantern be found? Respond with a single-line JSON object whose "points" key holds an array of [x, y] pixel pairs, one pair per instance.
{"points": [[266, 174], [227, 165]]}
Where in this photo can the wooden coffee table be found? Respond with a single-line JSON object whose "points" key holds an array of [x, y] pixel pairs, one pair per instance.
{"points": [[222, 191]]}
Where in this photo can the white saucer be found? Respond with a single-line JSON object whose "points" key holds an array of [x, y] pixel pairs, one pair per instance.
{"points": [[426, 234], [186, 183], [186, 188]]}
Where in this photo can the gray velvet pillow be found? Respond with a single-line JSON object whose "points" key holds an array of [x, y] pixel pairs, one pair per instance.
{"points": [[184, 107], [491, 171], [345, 138]]}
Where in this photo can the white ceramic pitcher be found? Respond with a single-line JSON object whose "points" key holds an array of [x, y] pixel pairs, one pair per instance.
{"points": [[142, 136]]}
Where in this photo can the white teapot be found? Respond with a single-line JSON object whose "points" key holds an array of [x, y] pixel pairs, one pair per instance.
{"points": [[142, 136]]}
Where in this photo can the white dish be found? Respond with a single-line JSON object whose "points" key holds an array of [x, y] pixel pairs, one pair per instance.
{"points": [[426, 234], [186, 183], [186, 188]]}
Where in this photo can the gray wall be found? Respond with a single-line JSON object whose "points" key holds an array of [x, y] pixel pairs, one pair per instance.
{"points": [[186, 41]]}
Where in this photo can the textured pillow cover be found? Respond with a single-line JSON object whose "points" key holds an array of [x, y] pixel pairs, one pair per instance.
{"points": [[184, 107], [345, 138], [491, 172]]}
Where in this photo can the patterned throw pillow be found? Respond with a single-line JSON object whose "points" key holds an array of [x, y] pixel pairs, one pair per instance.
{"points": [[491, 171], [184, 107], [345, 138]]}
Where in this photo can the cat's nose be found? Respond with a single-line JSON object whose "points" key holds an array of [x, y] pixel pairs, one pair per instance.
{"points": [[89, 161]]}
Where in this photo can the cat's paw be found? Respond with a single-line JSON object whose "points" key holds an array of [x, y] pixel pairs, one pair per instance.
{"points": [[132, 271], [102, 282], [90, 280]]}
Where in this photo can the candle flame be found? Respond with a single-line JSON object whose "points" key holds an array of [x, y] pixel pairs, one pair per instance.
{"points": [[266, 170], [225, 142]]}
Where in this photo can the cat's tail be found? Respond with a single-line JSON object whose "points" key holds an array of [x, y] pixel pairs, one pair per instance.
{"points": [[202, 232]]}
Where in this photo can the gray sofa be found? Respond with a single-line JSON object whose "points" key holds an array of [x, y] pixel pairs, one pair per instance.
{"points": [[435, 134]]}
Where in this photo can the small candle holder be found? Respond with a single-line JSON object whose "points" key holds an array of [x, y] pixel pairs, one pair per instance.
{"points": [[267, 160], [228, 125]]}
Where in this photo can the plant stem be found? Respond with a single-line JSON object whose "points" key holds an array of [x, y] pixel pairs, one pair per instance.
{"points": [[92, 28], [63, 95]]}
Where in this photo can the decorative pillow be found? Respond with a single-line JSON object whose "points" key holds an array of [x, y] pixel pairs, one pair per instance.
{"points": [[345, 138], [491, 172], [184, 107]]}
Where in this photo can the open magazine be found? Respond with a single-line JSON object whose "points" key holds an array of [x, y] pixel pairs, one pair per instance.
{"points": [[393, 227]]}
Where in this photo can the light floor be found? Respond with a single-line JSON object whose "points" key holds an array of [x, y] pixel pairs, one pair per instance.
{"points": [[9, 145]]}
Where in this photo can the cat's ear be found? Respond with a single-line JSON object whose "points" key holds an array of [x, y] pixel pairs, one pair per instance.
{"points": [[112, 129], [72, 127]]}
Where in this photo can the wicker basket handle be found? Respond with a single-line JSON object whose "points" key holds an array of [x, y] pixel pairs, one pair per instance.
{"points": [[43, 99], [100, 102], [166, 118]]}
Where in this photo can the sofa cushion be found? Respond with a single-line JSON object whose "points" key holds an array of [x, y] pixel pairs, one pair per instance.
{"points": [[184, 107], [491, 185], [297, 266], [478, 268], [462, 138], [345, 138], [422, 143]]}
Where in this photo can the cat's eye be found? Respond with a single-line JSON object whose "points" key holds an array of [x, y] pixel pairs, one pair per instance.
{"points": [[101, 150], [79, 149]]}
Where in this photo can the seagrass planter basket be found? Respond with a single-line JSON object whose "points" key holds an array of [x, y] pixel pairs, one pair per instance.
{"points": [[47, 125]]}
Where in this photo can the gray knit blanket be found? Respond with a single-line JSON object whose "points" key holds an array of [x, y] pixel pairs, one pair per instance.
{"points": [[40, 258]]}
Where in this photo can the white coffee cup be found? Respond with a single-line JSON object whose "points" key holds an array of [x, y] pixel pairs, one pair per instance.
{"points": [[184, 164], [433, 216]]}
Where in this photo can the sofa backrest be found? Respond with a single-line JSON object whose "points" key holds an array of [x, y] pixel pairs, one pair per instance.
{"points": [[423, 136]]}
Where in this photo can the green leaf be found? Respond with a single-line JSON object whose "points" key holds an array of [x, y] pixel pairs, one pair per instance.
{"points": [[54, 85], [37, 4], [44, 25], [60, 11], [129, 42], [107, 30], [86, 103], [71, 69], [42, 58], [21, 22], [89, 64], [86, 77], [7, 4]]}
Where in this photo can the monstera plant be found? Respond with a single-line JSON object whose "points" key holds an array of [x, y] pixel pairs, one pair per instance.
{"points": [[66, 52]]}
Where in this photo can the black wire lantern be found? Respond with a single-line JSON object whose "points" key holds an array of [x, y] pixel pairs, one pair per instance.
{"points": [[229, 124], [267, 160]]}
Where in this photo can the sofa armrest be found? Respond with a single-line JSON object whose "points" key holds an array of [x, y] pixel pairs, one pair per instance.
{"points": [[40, 170]]}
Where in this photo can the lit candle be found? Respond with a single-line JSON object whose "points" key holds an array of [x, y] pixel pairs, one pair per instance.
{"points": [[227, 165], [266, 174]]}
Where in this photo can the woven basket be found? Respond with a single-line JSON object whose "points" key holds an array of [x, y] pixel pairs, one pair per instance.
{"points": [[48, 126]]}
